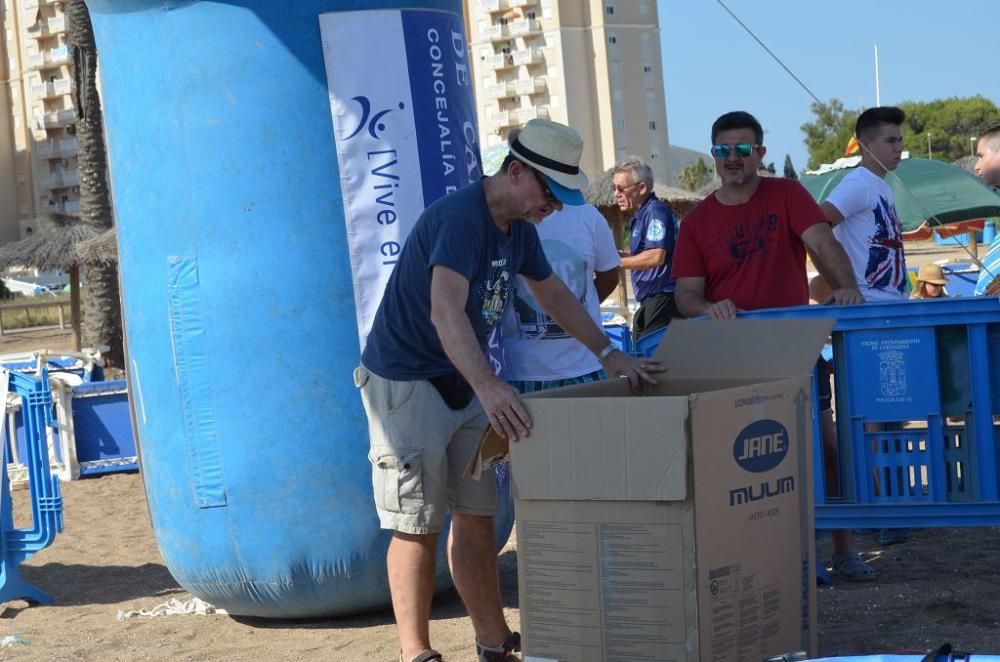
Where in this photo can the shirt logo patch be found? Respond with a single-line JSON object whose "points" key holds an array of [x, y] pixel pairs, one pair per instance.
{"points": [[656, 231]]}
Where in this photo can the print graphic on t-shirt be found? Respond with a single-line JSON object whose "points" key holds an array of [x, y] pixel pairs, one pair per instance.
{"points": [[886, 268], [751, 236], [495, 291], [532, 322]]}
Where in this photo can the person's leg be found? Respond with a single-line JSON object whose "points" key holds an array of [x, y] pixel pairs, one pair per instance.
{"points": [[409, 429], [472, 547], [473, 558], [843, 540], [410, 563]]}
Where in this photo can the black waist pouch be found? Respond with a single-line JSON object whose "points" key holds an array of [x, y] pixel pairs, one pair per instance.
{"points": [[454, 390]]}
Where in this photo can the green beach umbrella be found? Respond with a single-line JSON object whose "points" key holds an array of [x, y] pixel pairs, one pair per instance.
{"points": [[926, 191]]}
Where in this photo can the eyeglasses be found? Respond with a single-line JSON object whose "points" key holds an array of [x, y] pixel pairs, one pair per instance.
{"points": [[621, 189], [546, 191], [742, 150]]}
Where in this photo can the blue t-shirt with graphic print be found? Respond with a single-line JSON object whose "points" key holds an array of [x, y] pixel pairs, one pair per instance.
{"points": [[653, 226], [457, 232]]}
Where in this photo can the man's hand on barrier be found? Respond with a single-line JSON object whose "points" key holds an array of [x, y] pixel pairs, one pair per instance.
{"points": [[846, 296], [722, 310]]}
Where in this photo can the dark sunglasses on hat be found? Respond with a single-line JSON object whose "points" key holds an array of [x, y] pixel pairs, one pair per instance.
{"points": [[742, 150]]}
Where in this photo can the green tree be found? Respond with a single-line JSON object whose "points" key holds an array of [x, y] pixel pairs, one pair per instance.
{"points": [[789, 168], [694, 176], [828, 135], [951, 124]]}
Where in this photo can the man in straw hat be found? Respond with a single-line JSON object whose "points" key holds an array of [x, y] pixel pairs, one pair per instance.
{"points": [[429, 390]]}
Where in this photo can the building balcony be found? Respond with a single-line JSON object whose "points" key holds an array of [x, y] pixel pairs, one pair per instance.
{"points": [[71, 207], [59, 118], [500, 61], [524, 27], [524, 115], [499, 90], [502, 119], [52, 89], [494, 6], [527, 56], [530, 86], [51, 58], [56, 149], [48, 27], [494, 32], [490, 6], [59, 179]]}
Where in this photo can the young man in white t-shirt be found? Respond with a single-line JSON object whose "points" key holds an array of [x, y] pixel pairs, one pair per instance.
{"points": [[862, 208], [537, 352]]}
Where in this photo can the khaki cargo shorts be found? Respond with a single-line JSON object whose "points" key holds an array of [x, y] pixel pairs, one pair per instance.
{"points": [[419, 451]]}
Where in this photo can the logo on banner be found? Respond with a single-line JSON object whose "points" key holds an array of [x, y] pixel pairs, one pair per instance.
{"points": [[375, 125]]}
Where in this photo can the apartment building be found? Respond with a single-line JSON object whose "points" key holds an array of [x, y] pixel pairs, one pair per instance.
{"points": [[38, 166], [591, 64]]}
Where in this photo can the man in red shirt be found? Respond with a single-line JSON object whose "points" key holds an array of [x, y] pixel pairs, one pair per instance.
{"points": [[744, 248]]}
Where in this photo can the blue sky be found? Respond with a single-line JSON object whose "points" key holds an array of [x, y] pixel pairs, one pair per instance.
{"points": [[927, 50]]}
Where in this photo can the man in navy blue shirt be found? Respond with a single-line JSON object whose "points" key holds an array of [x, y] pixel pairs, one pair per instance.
{"points": [[429, 390], [653, 235]]}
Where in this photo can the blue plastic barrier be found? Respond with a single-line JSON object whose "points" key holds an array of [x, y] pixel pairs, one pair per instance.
{"points": [[917, 384], [621, 336], [238, 301], [958, 657], [16, 545]]}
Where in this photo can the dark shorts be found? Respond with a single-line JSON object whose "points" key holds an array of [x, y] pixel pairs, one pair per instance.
{"points": [[654, 313]]}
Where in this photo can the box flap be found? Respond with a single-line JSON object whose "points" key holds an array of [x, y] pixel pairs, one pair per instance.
{"points": [[612, 448], [750, 349]]}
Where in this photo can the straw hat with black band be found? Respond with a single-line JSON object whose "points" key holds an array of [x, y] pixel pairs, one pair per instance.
{"points": [[554, 150]]}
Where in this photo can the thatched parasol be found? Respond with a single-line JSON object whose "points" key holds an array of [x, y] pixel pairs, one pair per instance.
{"points": [[54, 247], [966, 163], [102, 249]]}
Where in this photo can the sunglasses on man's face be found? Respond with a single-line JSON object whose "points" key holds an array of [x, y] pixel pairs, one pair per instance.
{"points": [[550, 197], [723, 151]]}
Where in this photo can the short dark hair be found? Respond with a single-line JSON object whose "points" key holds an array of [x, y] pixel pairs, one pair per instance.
{"points": [[992, 137], [738, 119], [870, 121]]}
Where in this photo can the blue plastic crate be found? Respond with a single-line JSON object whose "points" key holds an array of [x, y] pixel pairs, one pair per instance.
{"points": [[621, 336], [917, 386]]}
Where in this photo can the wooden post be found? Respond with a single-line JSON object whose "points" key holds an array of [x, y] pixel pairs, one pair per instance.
{"points": [[74, 305], [62, 320]]}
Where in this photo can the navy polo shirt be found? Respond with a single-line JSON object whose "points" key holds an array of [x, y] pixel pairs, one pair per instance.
{"points": [[653, 226]]}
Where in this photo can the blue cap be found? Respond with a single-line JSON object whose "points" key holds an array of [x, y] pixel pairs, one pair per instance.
{"points": [[567, 196]]}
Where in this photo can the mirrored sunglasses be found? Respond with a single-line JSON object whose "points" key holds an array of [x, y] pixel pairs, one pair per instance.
{"points": [[723, 151]]}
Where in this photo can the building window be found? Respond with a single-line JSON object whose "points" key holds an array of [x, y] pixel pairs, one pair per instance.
{"points": [[654, 156], [612, 39], [610, 9], [616, 95], [652, 125], [647, 69], [620, 125]]}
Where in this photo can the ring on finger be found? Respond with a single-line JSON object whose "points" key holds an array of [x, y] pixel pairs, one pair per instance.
{"points": [[501, 417]]}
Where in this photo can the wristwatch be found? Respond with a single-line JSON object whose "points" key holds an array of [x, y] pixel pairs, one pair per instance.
{"points": [[607, 351]]}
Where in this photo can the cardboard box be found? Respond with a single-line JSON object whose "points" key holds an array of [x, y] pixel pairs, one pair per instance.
{"points": [[675, 525]]}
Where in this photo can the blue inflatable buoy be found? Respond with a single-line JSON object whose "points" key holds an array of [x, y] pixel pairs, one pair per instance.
{"points": [[267, 160]]}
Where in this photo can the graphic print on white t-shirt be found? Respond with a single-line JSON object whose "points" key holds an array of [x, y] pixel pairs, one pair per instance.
{"points": [[886, 268], [571, 267]]}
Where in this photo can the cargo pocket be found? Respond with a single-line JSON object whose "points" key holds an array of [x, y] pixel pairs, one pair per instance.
{"points": [[397, 479]]}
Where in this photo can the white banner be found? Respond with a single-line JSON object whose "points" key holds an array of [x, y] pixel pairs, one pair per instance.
{"points": [[404, 123]]}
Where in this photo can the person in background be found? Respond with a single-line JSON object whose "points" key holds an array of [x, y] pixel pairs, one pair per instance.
{"points": [[988, 156], [930, 283], [744, 248], [862, 209], [653, 232]]}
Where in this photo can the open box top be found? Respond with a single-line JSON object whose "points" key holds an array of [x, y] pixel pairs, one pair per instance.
{"points": [[699, 355]]}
